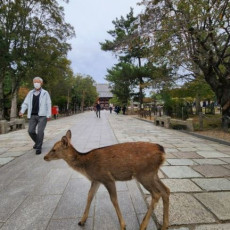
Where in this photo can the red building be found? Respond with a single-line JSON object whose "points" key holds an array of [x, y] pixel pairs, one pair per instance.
{"points": [[105, 95]]}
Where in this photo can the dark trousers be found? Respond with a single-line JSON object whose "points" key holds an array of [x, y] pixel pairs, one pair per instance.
{"points": [[98, 113], [40, 123]]}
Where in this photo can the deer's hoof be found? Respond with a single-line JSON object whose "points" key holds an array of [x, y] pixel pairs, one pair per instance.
{"points": [[81, 224]]}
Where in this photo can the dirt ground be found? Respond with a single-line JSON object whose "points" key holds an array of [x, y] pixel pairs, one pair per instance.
{"points": [[218, 134]]}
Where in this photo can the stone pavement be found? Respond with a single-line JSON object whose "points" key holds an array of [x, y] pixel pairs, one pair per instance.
{"points": [[35, 194]]}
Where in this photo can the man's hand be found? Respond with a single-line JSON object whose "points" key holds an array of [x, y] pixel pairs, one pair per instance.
{"points": [[20, 114], [48, 118]]}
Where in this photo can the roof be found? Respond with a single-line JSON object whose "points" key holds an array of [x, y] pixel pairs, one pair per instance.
{"points": [[103, 90]]}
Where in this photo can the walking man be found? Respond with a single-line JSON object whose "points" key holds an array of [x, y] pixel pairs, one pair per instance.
{"points": [[38, 106], [110, 108], [98, 109]]}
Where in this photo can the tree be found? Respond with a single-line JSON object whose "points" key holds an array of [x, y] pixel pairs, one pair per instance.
{"points": [[122, 81], [200, 90], [4, 59], [197, 89], [132, 50], [34, 34], [84, 91], [129, 48], [193, 36], [60, 86]]}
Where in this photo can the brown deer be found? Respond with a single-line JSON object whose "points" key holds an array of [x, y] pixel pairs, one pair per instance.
{"points": [[119, 162]]}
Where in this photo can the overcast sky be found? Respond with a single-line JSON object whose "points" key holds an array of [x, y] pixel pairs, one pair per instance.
{"points": [[91, 20]]}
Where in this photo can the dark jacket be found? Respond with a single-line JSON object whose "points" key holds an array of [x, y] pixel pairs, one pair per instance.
{"points": [[98, 107]]}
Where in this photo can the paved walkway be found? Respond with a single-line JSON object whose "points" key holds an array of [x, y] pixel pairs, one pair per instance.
{"points": [[35, 194]]}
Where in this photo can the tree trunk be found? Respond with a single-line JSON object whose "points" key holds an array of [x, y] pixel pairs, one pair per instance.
{"points": [[13, 110], [225, 103], [197, 104], [83, 101], [1, 100], [140, 86], [140, 92], [222, 91]]}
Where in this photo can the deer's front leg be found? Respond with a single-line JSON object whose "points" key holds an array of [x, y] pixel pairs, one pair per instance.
{"points": [[93, 189], [111, 187]]}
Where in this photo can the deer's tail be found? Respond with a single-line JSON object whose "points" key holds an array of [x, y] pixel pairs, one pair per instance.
{"points": [[161, 158]]}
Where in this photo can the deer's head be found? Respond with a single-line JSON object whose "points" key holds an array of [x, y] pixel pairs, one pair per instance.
{"points": [[60, 149]]}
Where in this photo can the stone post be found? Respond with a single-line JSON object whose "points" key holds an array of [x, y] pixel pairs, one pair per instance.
{"points": [[190, 124], [167, 122], [3, 126]]}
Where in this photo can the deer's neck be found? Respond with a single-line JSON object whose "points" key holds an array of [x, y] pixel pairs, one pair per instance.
{"points": [[75, 159]]}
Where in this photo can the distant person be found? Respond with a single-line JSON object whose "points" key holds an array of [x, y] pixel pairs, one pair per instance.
{"points": [[98, 110], [124, 109], [38, 106], [110, 109], [117, 109]]}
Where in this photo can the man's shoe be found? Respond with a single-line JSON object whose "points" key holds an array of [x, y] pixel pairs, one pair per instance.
{"points": [[38, 151]]}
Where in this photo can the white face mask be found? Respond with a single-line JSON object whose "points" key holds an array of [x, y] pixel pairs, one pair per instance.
{"points": [[37, 85]]}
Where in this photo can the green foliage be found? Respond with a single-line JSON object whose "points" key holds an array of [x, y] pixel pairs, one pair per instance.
{"points": [[168, 102], [178, 107], [116, 101], [129, 48], [61, 102], [192, 89], [198, 87], [84, 90], [33, 42], [130, 74], [74, 90], [122, 81], [192, 36], [123, 40]]}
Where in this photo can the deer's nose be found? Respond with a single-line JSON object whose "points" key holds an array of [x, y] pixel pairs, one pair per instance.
{"points": [[46, 158]]}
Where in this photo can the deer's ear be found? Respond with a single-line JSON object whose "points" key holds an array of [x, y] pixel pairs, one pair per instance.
{"points": [[68, 134], [65, 141]]}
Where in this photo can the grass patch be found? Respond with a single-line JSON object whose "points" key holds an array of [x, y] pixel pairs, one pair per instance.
{"points": [[210, 122]]}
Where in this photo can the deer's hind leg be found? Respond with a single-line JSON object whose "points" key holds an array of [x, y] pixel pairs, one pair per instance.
{"points": [[111, 187], [155, 198], [93, 189], [165, 192], [152, 183]]}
